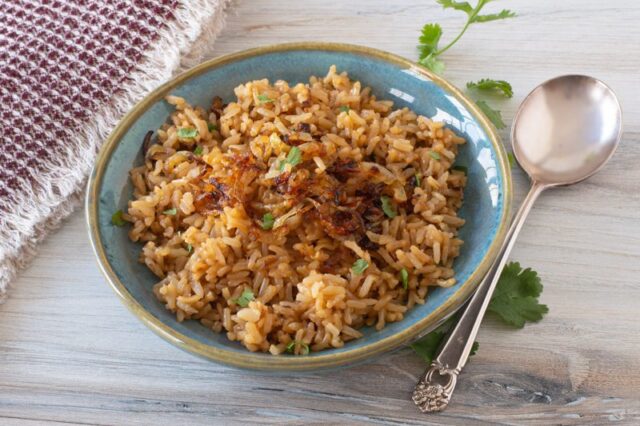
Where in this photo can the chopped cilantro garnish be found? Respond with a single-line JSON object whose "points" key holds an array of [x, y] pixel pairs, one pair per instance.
{"points": [[264, 99], [267, 221], [404, 277], [462, 169], [292, 345], [117, 218], [187, 132], [418, 178], [212, 127], [434, 155], [359, 266], [189, 248], [198, 150], [293, 157], [171, 212], [244, 299], [344, 108], [387, 207]]}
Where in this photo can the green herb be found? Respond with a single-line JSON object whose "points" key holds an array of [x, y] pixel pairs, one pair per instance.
{"points": [[404, 277], [293, 157], [198, 150], [344, 108], [171, 212], [434, 155], [189, 248], [359, 266], [462, 169], [117, 218], [267, 221], [244, 299], [212, 127], [427, 346], [431, 33], [496, 86], [264, 99], [493, 115], [515, 299], [512, 159], [418, 178], [291, 347], [387, 207], [187, 133]]}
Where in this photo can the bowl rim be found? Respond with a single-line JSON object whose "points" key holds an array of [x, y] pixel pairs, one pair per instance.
{"points": [[254, 361]]}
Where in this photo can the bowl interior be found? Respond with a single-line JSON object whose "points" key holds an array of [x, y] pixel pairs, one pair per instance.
{"points": [[484, 206]]}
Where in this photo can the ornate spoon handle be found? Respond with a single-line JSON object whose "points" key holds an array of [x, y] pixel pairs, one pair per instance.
{"points": [[433, 391]]}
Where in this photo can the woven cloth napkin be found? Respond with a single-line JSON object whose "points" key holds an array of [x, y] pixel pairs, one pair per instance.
{"points": [[69, 70]]}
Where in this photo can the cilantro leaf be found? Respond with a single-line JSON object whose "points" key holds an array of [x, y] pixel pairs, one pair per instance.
{"points": [[359, 266], [427, 346], [293, 157], [474, 348], [418, 179], [512, 159], [457, 5], [404, 278], [117, 219], [488, 85], [189, 248], [503, 14], [387, 207], [187, 133], [493, 115], [291, 347], [434, 155], [515, 299], [264, 99], [198, 150], [434, 64], [171, 212], [212, 127], [429, 38], [462, 169], [267, 221], [344, 108], [244, 299]]}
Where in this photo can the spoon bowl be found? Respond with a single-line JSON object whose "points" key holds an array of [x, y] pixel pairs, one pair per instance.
{"points": [[566, 129]]}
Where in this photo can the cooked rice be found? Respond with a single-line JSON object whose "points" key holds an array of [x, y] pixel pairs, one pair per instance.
{"points": [[200, 215]]}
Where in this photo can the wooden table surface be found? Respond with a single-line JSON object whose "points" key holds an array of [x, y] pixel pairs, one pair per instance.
{"points": [[70, 351]]}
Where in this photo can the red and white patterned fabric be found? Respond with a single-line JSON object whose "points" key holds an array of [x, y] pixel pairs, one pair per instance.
{"points": [[69, 69]]}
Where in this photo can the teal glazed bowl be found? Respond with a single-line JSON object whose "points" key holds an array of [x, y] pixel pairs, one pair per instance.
{"points": [[486, 204]]}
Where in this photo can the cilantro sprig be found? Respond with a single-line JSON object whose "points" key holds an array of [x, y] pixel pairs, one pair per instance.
{"points": [[515, 302], [492, 114], [431, 33], [387, 207]]}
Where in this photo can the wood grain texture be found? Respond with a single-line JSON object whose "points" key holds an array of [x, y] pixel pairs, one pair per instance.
{"points": [[71, 353]]}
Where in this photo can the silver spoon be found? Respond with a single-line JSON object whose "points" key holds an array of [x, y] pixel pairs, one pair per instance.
{"points": [[564, 132]]}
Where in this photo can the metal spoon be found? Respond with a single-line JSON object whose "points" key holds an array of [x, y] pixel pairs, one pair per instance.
{"points": [[565, 130]]}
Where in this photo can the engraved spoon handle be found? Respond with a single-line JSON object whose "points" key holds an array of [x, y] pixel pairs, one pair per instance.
{"points": [[434, 389]]}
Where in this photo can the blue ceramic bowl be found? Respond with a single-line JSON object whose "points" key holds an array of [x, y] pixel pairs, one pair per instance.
{"points": [[486, 205]]}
